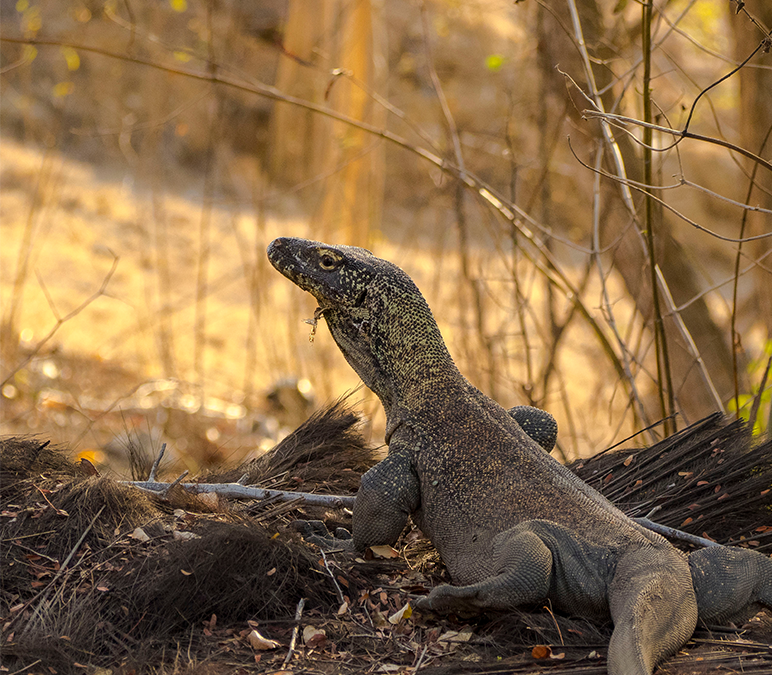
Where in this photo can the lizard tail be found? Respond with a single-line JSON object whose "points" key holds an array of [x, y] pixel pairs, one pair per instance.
{"points": [[653, 607], [731, 584]]}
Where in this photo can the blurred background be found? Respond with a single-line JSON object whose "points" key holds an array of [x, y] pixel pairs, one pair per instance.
{"points": [[149, 152]]}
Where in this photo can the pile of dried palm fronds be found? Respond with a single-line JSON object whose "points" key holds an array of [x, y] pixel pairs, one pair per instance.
{"points": [[710, 479]]}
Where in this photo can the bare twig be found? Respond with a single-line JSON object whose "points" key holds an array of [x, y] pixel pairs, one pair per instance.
{"points": [[421, 658], [154, 469], [733, 320], [176, 482], [296, 631], [338, 590], [643, 187], [62, 320], [695, 352], [623, 119], [607, 307], [59, 573]]}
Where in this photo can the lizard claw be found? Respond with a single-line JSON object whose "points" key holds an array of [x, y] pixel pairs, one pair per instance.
{"points": [[447, 599], [316, 532]]}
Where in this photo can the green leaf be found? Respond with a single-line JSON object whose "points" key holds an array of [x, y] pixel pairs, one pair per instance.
{"points": [[494, 62]]}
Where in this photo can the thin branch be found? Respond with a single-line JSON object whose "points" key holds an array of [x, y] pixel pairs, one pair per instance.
{"points": [[296, 630], [733, 321], [695, 352], [154, 469], [607, 308], [672, 533], [608, 117], [61, 570], [642, 187], [664, 381], [62, 320]]}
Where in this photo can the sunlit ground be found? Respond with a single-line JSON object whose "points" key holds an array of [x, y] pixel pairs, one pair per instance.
{"points": [[72, 222]]}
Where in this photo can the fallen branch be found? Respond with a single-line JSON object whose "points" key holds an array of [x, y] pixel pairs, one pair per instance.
{"points": [[237, 491], [672, 533]]}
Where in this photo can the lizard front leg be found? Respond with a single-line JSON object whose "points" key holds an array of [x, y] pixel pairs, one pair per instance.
{"points": [[388, 494]]}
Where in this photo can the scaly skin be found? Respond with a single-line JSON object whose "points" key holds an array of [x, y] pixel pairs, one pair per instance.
{"points": [[513, 526]]}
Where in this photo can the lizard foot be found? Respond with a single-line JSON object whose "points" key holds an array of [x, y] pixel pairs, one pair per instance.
{"points": [[448, 599], [316, 532]]}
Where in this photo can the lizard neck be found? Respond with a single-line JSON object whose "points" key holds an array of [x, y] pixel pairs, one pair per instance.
{"points": [[411, 358], [416, 366], [393, 343]]}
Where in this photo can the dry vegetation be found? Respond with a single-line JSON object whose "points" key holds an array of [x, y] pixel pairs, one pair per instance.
{"points": [[149, 137], [101, 577], [150, 151]]}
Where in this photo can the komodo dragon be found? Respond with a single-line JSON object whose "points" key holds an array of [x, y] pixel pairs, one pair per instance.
{"points": [[513, 526]]}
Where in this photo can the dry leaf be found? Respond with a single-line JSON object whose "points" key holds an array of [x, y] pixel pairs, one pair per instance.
{"points": [[629, 460], [541, 652], [186, 573], [379, 619], [383, 551], [140, 535], [314, 637], [182, 535], [453, 636], [342, 609], [261, 643], [404, 613], [271, 572], [88, 468]]}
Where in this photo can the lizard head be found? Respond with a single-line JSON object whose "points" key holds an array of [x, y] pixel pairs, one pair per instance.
{"points": [[375, 312], [337, 276]]}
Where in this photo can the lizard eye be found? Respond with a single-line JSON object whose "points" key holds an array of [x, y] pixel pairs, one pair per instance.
{"points": [[327, 262]]}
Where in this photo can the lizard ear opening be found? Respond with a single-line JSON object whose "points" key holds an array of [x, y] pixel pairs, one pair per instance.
{"points": [[361, 299]]}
